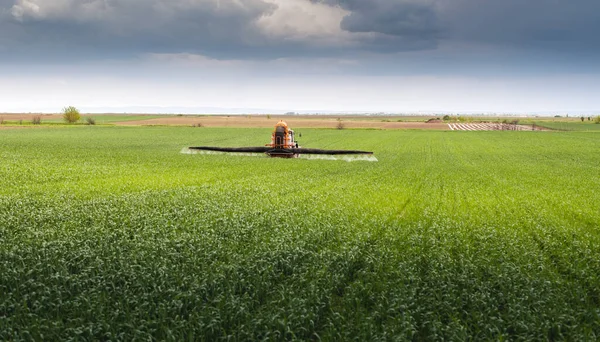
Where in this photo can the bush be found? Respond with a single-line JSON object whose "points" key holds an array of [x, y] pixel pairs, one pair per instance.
{"points": [[37, 120], [340, 124], [90, 121], [597, 119], [71, 114], [446, 118]]}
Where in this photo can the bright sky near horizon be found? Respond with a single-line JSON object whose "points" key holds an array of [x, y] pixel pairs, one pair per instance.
{"points": [[300, 55]]}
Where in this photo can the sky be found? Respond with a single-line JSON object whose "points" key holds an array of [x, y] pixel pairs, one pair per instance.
{"points": [[395, 56]]}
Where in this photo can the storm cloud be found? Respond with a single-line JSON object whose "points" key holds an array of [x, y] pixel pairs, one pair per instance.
{"points": [[135, 26], [534, 23], [270, 29]]}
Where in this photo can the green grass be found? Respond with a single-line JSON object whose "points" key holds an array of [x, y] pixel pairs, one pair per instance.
{"points": [[113, 118], [111, 233], [589, 126], [107, 118], [101, 119]]}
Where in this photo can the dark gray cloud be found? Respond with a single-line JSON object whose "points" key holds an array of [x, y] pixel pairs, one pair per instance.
{"points": [[525, 24], [533, 23], [42, 30], [130, 27], [413, 20], [391, 25], [221, 29], [405, 18]]}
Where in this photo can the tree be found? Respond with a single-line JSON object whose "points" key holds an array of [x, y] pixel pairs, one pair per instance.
{"points": [[582, 118], [446, 118], [597, 119], [71, 114]]}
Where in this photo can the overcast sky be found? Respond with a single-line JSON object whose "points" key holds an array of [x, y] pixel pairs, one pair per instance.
{"points": [[301, 55]]}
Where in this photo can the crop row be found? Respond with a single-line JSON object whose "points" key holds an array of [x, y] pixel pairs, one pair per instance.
{"points": [[111, 233]]}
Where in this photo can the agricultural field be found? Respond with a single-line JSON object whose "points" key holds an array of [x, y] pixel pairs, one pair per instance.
{"points": [[26, 119], [588, 126], [115, 118], [297, 121], [254, 121], [111, 233]]}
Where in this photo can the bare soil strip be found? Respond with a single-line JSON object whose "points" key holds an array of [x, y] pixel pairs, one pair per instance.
{"points": [[292, 121], [261, 121], [28, 116]]}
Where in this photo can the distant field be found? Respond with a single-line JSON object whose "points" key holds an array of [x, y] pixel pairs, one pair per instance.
{"points": [[111, 233], [112, 118], [57, 118], [295, 121], [571, 125], [303, 121], [256, 121]]}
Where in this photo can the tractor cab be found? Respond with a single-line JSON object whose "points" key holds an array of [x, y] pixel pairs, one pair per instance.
{"points": [[282, 140], [283, 137]]}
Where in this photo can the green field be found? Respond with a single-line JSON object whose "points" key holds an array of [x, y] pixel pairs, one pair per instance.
{"points": [[113, 118], [570, 125], [100, 119], [111, 233]]}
